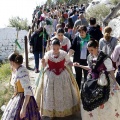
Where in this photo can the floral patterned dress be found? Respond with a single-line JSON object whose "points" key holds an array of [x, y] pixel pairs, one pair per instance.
{"points": [[21, 82], [57, 94], [111, 109]]}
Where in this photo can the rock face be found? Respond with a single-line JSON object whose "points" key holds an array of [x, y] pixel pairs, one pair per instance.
{"points": [[94, 3], [7, 41], [115, 24]]}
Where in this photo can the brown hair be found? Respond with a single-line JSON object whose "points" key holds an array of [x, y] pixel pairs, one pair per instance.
{"points": [[107, 32], [82, 28], [15, 57]]}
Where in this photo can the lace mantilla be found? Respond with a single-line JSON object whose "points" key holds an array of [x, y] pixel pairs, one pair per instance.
{"points": [[51, 57]]}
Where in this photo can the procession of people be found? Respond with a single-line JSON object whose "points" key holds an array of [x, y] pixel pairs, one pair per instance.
{"points": [[59, 34]]}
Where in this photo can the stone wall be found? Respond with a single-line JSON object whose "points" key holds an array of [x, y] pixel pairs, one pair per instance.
{"points": [[7, 41]]}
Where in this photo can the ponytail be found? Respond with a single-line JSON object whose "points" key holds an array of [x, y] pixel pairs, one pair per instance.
{"points": [[107, 32]]}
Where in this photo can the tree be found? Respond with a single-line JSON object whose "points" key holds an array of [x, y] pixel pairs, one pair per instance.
{"points": [[49, 2], [99, 11], [67, 1], [19, 23], [111, 15], [115, 2]]}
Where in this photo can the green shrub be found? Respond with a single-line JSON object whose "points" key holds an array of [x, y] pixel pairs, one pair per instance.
{"points": [[99, 12], [5, 90], [19, 23], [115, 2], [5, 71]]}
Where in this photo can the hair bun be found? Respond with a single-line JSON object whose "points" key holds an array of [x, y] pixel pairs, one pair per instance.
{"points": [[19, 59]]}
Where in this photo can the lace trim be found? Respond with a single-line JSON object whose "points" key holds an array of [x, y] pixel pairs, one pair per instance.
{"points": [[61, 57]]}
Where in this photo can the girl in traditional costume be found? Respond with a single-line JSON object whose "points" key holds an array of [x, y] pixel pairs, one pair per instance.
{"points": [[57, 94], [22, 106], [100, 94], [65, 43]]}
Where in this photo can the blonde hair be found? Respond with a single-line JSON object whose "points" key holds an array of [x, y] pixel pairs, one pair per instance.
{"points": [[107, 32]]}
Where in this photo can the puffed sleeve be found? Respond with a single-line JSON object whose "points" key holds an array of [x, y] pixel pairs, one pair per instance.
{"points": [[115, 55], [68, 44], [67, 59], [108, 64], [23, 76]]}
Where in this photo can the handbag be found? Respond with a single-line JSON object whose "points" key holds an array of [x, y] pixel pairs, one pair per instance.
{"points": [[102, 80]]}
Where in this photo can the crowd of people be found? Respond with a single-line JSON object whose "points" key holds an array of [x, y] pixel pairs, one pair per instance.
{"points": [[59, 33]]}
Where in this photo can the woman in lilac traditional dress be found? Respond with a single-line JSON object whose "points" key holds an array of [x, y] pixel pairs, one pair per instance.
{"points": [[22, 106]]}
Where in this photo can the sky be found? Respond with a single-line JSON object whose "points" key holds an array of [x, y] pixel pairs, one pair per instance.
{"points": [[13, 8]]}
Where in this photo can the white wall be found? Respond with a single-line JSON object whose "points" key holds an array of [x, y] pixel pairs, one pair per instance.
{"points": [[7, 39]]}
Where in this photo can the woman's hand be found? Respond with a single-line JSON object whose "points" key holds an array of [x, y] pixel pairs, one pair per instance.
{"points": [[31, 49], [43, 62], [22, 113], [102, 106], [116, 87], [76, 64], [71, 52]]}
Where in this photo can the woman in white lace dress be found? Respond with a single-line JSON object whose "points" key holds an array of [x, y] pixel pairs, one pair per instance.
{"points": [[57, 94]]}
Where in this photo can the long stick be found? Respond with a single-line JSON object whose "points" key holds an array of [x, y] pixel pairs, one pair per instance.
{"points": [[15, 43], [43, 43]]}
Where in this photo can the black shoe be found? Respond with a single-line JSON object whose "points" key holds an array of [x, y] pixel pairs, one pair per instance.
{"points": [[36, 71]]}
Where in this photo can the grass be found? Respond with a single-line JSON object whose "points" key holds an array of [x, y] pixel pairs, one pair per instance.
{"points": [[5, 72], [5, 89]]}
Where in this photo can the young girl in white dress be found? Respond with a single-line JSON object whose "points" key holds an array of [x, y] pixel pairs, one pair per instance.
{"points": [[57, 94]]}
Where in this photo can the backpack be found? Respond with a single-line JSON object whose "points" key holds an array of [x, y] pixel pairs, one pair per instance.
{"points": [[95, 33]]}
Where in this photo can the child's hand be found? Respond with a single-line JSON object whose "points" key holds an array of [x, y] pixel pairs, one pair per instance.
{"points": [[43, 62], [76, 64], [70, 64]]}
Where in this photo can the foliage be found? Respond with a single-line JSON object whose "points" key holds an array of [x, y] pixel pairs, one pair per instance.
{"points": [[19, 23], [5, 71], [5, 90], [49, 2], [84, 1], [67, 1], [99, 12], [115, 2]]}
